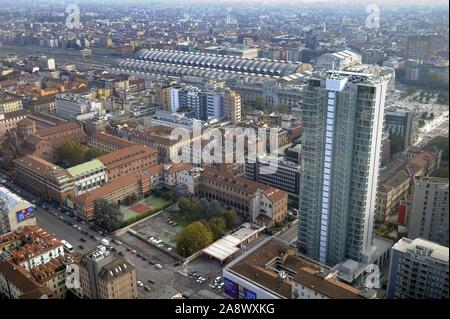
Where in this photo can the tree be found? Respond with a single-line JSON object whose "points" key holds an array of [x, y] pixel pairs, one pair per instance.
{"points": [[188, 208], [184, 205], [75, 153], [92, 153], [72, 153], [193, 238], [218, 226], [215, 209], [260, 103], [231, 219], [107, 215], [203, 207]]}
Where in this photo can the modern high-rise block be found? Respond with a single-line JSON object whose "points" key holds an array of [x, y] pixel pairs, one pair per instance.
{"points": [[342, 123], [418, 270], [232, 106], [429, 210]]}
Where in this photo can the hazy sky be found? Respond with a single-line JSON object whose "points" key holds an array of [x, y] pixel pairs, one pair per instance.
{"points": [[381, 2]]}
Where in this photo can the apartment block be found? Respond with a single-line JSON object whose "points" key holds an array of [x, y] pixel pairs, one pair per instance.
{"points": [[104, 276], [418, 270], [428, 217]]}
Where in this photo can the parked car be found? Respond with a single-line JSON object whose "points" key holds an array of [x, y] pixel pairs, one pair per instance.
{"points": [[150, 281], [158, 266], [140, 284], [82, 239], [147, 288], [81, 246]]}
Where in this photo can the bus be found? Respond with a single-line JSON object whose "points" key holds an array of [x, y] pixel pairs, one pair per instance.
{"points": [[67, 247]]}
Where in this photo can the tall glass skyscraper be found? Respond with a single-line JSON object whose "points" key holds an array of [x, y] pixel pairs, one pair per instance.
{"points": [[342, 122]]}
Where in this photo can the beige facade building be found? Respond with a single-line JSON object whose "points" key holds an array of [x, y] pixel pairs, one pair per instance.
{"points": [[429, 210], [104, 276], [232, 106]]}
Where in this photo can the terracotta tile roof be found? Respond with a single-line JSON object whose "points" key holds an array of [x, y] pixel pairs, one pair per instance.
{"points": [[54, 267], [179, 167], [126, 155], [41, 167], [111, 139], [58, 129], [155, 169], [19, 277], [34, 241], [243, 184]]}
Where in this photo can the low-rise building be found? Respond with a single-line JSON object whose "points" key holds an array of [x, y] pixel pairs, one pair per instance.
{"points": [[159, 137], [259, 203], [114, 191], [15, 283], [88, 176], [273, 270], [40, 256], [45, 178], [132, 159], [108, 143], [9, 121]]}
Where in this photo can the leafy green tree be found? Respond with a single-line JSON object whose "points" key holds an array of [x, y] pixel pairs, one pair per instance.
{"points": [[203, 207], [72, 153], [218, 226], [92, 153], [107, 215], [193, 238], [260, 103], [231, 219], [184, 205]]}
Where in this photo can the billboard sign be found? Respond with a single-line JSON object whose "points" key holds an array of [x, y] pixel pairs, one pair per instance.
{"points": [[236, 291], [231, 288], [25, 214]]}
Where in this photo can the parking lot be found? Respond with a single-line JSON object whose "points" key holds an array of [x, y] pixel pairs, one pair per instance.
{"points": [[161, 227], [169, 280]]}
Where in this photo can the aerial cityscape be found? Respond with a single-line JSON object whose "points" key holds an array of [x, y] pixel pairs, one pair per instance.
{"points": [[224, 150]]}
